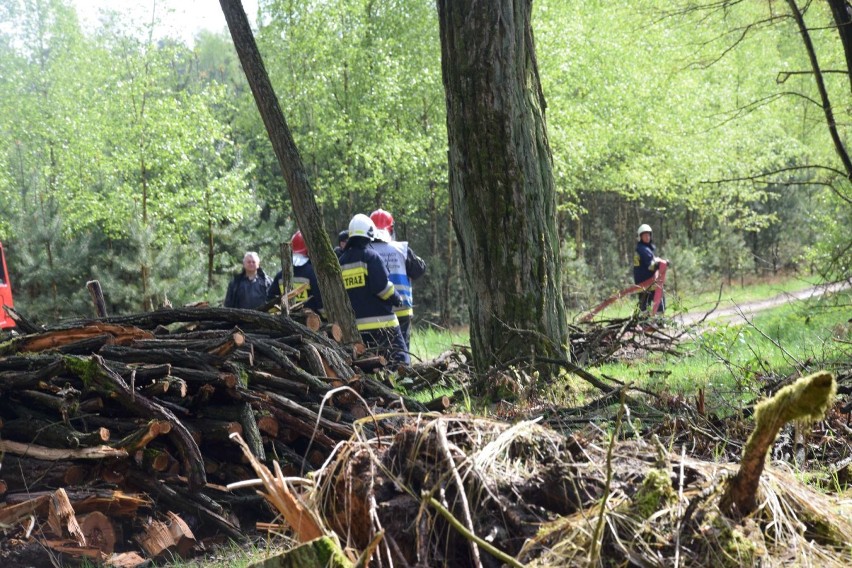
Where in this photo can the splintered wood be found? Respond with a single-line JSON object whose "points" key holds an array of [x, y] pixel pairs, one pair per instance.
{"points": [[114, 433]]}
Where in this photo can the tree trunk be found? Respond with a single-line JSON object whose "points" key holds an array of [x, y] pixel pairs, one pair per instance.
{"points": [[843, 21], [501, 180], [305, 208]]}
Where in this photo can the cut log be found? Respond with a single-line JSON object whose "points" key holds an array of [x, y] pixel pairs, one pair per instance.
{"points": [[268, 425], [175, 357], [243, 318], [440, 404], [154, 459], [276, 383], [63, 406], [86, 345], [53, 435], [14, 512], [175, 386], [211, 431], [169, 497], [55, 339], [142, 437], [198, 377], [53, 454], [333, 361], [142, 373], [125, 560], [289, 368], [27, 474], [74, 550], [98, 531], [373, 388], [297, 410], [115, 503], [370, 364], [102, 378], [311, 360], [333, 331]]}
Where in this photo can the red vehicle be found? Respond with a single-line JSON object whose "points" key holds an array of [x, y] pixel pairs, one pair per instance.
{"points": [[5, 293]]}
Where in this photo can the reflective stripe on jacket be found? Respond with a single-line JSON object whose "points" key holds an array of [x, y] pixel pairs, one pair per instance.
{"points": [[370, 291]]}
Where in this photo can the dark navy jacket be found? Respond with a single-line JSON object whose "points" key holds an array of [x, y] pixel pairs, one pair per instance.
{"points": [[301, 275], [370, 290], [643, 262], [247, 294]]}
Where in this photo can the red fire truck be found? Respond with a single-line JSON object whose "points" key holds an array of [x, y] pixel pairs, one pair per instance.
{"points": [[5, 293]]}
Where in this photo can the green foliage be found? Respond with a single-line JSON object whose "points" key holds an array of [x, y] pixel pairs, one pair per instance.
{"points": [[143, 162]]}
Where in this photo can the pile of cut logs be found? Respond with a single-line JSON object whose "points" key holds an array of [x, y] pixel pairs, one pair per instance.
{"points": [[114, 432]]}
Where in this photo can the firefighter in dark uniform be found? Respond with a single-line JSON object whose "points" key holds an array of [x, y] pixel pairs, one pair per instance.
{"points": [[303, 273], [645, 262], [371, 292]]}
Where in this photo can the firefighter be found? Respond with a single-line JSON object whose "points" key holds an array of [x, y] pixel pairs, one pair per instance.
{"points": [[645, 262], [372, 294], [303, 273], [248, 289], [403, 266], [342, 237]]}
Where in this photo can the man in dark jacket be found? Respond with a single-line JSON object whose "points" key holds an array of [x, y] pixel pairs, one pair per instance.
{"points": [[248, 288], [303, 273], [371, 293], [645, 262]]}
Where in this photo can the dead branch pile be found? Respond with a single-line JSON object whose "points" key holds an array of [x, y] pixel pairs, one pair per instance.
{"points": [[115, 432], [593, 343], [454, 491]]}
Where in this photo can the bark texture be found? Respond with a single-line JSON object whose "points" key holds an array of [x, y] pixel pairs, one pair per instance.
{"points": [[501, 180], [305, 208]]}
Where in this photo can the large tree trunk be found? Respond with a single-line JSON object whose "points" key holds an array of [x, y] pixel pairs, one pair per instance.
{"points": [[308, 217], [501, 180]]}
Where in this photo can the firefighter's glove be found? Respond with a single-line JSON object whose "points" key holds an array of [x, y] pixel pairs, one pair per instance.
{"points": [[396, 300]]}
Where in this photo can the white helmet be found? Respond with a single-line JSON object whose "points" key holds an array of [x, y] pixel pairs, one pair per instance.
{"points": [[362, 226], [643, 228]]}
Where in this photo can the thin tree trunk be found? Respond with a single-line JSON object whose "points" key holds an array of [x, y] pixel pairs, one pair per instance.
{"points": [[305, 208], [501, 180], [843, 21], [839, 146]]}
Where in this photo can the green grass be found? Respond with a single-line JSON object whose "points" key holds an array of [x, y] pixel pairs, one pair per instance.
{"points": [[728, 362], [235, 555], [727, 296], [429, 342], [732, 362]]}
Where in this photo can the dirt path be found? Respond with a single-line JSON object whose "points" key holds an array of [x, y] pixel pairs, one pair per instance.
{"points": [[740, 313]]}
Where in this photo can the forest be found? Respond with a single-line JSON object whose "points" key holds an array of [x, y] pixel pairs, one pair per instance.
{"points": [[140, 161], [518, 144]]}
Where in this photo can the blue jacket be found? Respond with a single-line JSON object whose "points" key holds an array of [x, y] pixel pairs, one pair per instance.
{"points": [[301, 275], [403, 267], [372, 294], [245, 293], [643, 262]]}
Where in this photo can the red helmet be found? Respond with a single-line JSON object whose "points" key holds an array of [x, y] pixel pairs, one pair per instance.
{"points": [[298, 244], [382, 219]]}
